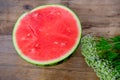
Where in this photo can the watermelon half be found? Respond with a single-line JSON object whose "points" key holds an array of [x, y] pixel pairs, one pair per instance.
{"points": [[47, 34]]}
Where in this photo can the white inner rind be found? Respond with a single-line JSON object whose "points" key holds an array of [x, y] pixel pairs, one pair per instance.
{"points": [[53, 60]]}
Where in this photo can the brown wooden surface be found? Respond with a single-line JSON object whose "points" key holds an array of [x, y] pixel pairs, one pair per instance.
{"points": [[99, 16]]}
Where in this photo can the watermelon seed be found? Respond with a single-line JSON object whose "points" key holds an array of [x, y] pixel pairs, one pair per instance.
{"points": [[23, 38], [68, 30], [36, 15], [55, 42], [63, 44], [37, 46], [26, 38], [58, 13], [28, 35], [32, 50]]}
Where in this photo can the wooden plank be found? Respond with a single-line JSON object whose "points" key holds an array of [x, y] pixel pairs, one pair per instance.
{"points": [[111, 31], [12, 67], [98, 16], [94, 13], [18, 73], [8, 55]]}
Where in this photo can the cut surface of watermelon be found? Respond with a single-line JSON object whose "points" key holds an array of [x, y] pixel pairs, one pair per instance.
{"points": [[47, 34]]}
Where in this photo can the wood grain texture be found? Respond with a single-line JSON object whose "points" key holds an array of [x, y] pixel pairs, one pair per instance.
{"points": [[12, 67], [98, 16]]}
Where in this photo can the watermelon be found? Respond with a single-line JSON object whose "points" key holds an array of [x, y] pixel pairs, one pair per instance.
{"points": [[47, 34]]}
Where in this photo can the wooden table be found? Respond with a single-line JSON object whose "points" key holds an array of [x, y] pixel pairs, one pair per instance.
{"points": [[99, 16]]}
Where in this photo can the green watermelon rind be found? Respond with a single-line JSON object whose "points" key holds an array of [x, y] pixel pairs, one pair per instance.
{"points": [[54, 61]]}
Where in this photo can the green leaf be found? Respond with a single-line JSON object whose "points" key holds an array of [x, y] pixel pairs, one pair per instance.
{"points": [[103, 44], [103, 55], [115, 39], [111, 55], [117, 46]]}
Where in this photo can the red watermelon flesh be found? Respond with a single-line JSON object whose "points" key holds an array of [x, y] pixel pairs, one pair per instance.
{"points": [[47, 33]]}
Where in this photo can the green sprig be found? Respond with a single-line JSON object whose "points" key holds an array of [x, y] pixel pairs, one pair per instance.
{"points": [[103, 55]]}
